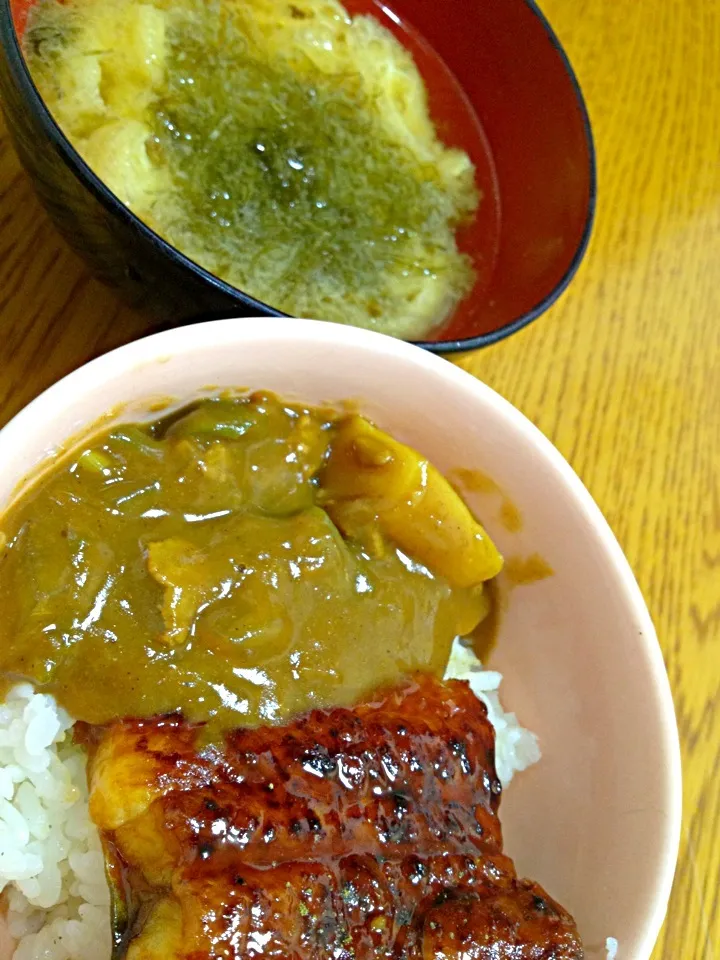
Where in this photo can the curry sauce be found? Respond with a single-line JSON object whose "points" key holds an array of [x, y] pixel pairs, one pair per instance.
{"points": [[240, 561]]}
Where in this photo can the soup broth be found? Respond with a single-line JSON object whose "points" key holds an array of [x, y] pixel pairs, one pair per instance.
{"points": [[286, 147]]}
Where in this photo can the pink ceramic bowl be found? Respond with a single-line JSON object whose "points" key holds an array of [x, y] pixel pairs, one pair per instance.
{"points": [[597, 821]]}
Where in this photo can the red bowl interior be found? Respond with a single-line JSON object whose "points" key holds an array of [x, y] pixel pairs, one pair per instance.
{"points": [[501, 89], [510, 67]]}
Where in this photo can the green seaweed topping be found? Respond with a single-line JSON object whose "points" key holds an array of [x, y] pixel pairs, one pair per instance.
{"points": [[288, 184]]}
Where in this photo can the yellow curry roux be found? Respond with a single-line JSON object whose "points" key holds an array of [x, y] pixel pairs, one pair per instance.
{"points": [[242, 560]]}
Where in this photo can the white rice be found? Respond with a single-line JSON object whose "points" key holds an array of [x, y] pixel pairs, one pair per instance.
{"points": [[515, 747], [51, 864]]}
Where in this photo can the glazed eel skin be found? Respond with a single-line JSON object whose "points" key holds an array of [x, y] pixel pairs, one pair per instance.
{"points": [[349, 834]]}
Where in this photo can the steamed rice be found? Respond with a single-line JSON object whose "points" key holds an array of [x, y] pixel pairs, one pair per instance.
{"points": [[51, 863], [515, 747]]}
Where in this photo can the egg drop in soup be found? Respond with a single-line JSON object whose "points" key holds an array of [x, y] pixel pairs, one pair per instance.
{"points": [[288, 148]]}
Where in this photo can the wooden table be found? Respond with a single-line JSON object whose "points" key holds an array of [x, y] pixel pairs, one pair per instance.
{"points": [[623, 374]]}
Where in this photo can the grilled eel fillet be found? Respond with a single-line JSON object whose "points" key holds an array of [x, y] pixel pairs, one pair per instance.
{"points": [[348, 834]]}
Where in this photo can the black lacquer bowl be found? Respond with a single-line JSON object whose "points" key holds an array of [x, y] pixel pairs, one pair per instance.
{"points": [[536, 171]]}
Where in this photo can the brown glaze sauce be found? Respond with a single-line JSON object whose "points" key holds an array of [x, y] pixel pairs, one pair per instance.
{"points": [[348, 834]]}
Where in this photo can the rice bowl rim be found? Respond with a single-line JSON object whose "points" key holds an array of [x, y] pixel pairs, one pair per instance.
{"points": [[66, 397]]}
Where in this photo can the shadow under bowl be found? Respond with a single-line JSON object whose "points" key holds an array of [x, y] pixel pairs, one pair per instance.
{"points": [[532, 150]]}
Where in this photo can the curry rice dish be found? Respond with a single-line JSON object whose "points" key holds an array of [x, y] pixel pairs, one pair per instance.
{"points": [[239, 621]]}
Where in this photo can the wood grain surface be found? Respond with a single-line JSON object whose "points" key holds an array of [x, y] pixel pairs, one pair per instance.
{"points": [[623, 374]]}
